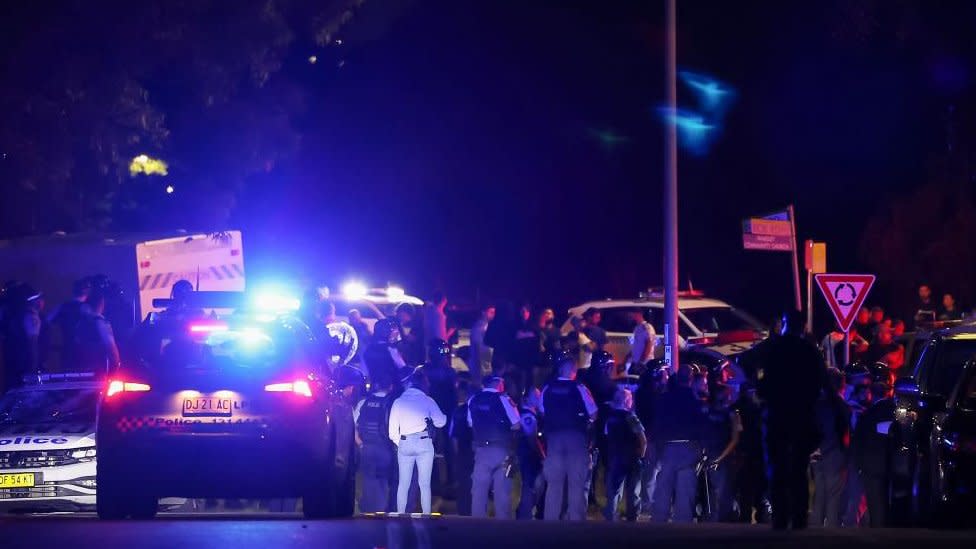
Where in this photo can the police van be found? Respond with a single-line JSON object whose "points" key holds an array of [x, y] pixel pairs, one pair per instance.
{"points": [[703, 323], [47, 444]]}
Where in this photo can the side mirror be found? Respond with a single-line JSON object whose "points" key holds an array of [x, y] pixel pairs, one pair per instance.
{"points": [[907, 387]]}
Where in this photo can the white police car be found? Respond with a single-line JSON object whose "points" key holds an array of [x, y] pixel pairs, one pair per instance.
{"points": [[47, 444], [702, 323]]}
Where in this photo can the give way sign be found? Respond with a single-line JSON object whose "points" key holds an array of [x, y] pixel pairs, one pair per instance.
{"points": [[845, 294]]}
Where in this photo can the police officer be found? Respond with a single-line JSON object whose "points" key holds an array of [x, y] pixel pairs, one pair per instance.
{"points": [[382, 357], [724, 429], [67, 317], [531, 455], [678, 429], [829, 465], [871, 452], [569, 410], [791, 376], [377, 460], [626, 447], [494, 420], [95, 345], [462, 444], [650, 386]]}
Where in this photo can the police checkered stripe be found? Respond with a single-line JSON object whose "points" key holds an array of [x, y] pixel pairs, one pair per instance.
{"points": [[126, 424], [165, 280]]}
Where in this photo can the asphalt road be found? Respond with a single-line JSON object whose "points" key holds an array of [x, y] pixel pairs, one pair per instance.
{"points": [[241, 532]]}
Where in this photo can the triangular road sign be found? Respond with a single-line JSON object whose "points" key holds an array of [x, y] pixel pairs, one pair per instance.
{"points": [[845, 294]]}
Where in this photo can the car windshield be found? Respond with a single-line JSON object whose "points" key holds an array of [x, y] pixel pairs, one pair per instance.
{"points": [[48, 406], [713, 320]]}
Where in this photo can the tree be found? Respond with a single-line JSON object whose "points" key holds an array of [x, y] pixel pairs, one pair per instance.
{"points": [[925, 236], [201, 84]]}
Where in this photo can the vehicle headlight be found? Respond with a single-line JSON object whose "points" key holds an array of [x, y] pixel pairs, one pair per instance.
{"points": [[84, 453]]}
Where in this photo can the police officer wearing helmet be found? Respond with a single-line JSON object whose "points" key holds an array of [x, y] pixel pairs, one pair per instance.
{"points": [[494, 420], [678, 428], [377, 454], [626, 447], [569, 410], [382, 357]]}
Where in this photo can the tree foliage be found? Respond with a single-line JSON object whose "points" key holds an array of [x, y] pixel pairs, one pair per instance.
{"points": [[204, 85]]}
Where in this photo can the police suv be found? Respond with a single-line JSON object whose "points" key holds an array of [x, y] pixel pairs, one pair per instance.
{"points": [[707, 324], [47, 444], [240, 406]]}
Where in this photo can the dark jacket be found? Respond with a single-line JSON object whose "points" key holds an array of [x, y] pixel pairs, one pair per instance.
{"points": [[790, 379], [870, 445], [678, 415]]}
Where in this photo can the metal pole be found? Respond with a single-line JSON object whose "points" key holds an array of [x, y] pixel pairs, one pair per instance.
{"points": [[809, 301], [796, 261], [847, 348], [671, 195]]}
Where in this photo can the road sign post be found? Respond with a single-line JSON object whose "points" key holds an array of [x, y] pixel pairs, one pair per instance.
{"points": [[845, 294]]}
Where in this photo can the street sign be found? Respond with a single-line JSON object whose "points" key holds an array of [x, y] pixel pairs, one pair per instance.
{"points": [[845, 293], [766, 234], [815, 257]]}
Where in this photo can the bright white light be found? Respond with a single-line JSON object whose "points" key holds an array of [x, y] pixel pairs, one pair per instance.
{"points": [[276, 302], [252, 337], [354, 290], [394, 292], [312, 59], [169, 189]]}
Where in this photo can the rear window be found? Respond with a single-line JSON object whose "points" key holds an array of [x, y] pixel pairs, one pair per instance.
{"points": [[48, 406]]}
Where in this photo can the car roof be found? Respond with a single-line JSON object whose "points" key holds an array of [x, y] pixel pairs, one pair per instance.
{"points": [[966, 330], [685, 303]]}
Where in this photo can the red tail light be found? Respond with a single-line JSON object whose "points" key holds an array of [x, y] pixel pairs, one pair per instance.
{"points": [[117, 386], [299, 387]]}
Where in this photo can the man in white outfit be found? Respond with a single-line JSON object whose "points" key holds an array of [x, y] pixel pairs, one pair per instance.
{"points": [[415, 447]]}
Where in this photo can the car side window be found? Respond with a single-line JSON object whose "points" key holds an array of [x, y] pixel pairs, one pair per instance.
{"points": [[618, 319], [923, 370]]}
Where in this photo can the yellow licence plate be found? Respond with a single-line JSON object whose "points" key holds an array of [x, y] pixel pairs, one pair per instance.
{"points": [[19, 480]]}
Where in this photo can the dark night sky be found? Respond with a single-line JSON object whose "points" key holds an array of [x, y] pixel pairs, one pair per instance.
{"points": [[458, 147]]}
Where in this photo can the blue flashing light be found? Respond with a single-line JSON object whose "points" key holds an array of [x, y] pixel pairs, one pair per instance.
{"points": [[713, 94], [694, 133]]}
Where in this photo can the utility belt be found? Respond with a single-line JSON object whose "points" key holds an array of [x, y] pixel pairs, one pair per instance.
{"points": [[415, 436]]}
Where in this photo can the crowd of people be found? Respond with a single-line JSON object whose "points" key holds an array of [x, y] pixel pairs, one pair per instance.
{"points": [[541, 419]]}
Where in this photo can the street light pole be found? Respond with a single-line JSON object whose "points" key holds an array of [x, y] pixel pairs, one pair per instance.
{"points": [[671, 195]]}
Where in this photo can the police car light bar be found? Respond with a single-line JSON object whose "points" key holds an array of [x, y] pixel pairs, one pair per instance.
{"points": [[299, 387], [117, 386], [394, 292], [208, 327]]}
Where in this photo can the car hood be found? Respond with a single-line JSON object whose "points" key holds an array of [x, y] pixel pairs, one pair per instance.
{"points": [[46, 436]]}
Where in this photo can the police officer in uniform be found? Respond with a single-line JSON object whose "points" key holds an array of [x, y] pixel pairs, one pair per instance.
{"points": [[871, 451], [679, 425], [377, 460], [829, 463], [531, 455], [382, 357], [791, 376], [494, 420], [462, 444], [569, 410], [626, 447], [724, 431]]}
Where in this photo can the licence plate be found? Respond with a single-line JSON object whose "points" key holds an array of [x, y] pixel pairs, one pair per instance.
{"points": [[19, 480], [206, 406]]}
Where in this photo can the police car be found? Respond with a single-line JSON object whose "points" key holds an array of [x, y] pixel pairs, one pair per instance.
{"points": [[47, 444], [372, 303], [703, 323], [234, 407]]}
